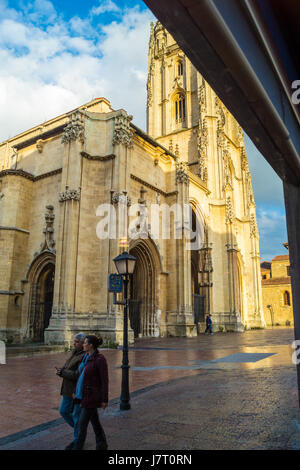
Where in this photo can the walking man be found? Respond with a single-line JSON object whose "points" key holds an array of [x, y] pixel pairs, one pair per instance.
{"points": [[208, 325], [69, 372]]}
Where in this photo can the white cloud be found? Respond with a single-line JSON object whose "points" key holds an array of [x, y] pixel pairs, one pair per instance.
{"points": [[41, 10], [269, 221], [272, 230], [82, 27], [50, 69], [104, 7], [7, 12]]}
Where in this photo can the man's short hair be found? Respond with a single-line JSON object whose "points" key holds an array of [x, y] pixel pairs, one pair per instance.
{"points": [[80, 336]]}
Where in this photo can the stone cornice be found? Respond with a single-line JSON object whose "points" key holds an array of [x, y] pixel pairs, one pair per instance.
{"points": [[11, 292], [154, 188], [47, 175], [98, 157], [17, 229], [29, 176], [44, 135], [22, 173]]}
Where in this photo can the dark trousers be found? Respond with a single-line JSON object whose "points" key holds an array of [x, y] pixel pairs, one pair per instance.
{"points": [[90, 415]]}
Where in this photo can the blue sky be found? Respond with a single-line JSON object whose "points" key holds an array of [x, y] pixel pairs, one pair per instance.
{"points": [[60, 54], [270, 210], [68, 9]]}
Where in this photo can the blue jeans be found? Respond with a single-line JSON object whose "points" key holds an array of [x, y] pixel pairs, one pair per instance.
{"points": [[70, 413], [208, 328]]}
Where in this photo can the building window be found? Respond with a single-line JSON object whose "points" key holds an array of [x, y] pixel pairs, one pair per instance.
{"points": [[180, 108], [179, 68], [286, 298], [264, 276], [288, 270]]}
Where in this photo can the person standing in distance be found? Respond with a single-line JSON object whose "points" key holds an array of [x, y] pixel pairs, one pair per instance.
{"points": [[208, 325], [92, 392], [69, 373]]}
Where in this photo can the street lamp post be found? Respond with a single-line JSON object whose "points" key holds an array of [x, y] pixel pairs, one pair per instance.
{"points": [[125, 264]]}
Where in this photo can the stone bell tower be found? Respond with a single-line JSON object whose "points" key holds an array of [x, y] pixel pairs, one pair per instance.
{"points": [[172, 85], [177, 100], [186, 116]]}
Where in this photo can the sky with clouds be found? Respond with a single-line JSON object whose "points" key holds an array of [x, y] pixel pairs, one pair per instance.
{"points": [[56, 55]]}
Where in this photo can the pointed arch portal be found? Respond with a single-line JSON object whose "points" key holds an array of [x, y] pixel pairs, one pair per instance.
{"points": [[144, 289], [201, 267], [41, 279]]}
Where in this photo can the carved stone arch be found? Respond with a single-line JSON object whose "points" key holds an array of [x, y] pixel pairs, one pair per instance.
{"points": [[178, 104], [201, 269], [178, 91], [145, 288], [179, 56], [38, 261], [40, 277], [201, 217], [286, 298], [179, 65]]}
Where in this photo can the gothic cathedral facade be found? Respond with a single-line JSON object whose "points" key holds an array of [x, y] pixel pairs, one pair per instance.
{"points": [[68, 185]]}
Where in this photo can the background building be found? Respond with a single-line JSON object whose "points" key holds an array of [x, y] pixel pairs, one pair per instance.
{"points": [[277, 291]]}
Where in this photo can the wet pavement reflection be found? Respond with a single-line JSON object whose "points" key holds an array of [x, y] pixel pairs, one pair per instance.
{"points": [[29, 387]]}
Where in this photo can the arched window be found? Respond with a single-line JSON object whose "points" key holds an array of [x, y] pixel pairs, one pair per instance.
{"points": [[286, 298], [180, 107], [179, 68]]}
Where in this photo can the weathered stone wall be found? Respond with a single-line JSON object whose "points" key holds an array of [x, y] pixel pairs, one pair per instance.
{"points": [[273, 295], [275, 303]]}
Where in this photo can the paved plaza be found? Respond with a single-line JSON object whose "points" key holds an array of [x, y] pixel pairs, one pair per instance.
{"points": [[227, 391]]}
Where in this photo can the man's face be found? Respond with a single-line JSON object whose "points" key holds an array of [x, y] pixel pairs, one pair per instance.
{"points": [[77, 344]]}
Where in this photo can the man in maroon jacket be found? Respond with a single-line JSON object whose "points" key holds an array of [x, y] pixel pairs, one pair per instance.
{"points": [[92, 392]]}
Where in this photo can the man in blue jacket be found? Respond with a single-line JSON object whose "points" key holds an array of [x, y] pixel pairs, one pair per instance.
{"points": [[208, 325]]}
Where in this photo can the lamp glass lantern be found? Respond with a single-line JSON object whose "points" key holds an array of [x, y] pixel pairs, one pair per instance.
{"points": [[125, 263]]}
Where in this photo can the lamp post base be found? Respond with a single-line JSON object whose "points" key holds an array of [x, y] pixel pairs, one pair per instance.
{"points": [[124, 406]]}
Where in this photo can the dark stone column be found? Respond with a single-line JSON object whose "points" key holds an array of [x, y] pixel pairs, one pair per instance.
{"points": [[292, 206]]}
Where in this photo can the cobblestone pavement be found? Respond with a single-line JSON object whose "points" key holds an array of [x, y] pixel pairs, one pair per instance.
{"points": [[227, 391]]}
